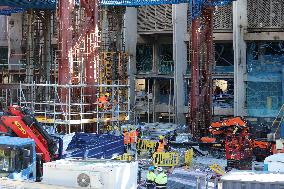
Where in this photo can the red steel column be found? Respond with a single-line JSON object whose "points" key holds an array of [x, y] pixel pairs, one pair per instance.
{"points": [[194, 90], [92, 55], [208, 14], [65, 67]]}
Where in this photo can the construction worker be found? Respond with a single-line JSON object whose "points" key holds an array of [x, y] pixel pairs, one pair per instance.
{"points": [[133, 138], [150, 178], [160, 146], [126, 139], [161, 179], [102, 101]]}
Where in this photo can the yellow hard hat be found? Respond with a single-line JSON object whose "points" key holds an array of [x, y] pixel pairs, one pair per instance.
{"points": [[124, 129], [161, 137]]}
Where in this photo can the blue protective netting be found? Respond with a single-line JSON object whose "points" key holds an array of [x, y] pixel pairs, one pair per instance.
{"points": [[27, 4], [51, 4], [265, 72], [9, 11]]}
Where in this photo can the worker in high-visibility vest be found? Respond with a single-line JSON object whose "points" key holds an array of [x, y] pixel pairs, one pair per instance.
{"points": [[150, 178], [102, 101], [160, 146], [126, 137], [161, 179]]}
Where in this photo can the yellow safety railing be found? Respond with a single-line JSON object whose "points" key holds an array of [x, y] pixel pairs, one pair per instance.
{"points": [[188, 156], [125, 157], [146, 145], [217, 169], [165, 159]]}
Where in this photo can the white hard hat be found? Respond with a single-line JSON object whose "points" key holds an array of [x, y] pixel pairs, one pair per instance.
{"points": [[160, 169]]}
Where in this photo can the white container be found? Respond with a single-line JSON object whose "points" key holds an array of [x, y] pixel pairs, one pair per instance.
{"points": [[96, 174], [275, 163]]}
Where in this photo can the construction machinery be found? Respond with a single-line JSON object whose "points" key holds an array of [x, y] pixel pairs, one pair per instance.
{"points": [[17, 158], [240, 146], [19, 122]]}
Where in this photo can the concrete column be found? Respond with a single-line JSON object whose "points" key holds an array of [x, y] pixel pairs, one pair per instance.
{"points": [[3, 34], [240, 23], [15, 40], [180, 59], [130, 37]]}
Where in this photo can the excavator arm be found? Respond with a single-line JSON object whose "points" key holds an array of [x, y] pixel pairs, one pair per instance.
{"points": [[20, 129], [228, 126], [20, 122]]}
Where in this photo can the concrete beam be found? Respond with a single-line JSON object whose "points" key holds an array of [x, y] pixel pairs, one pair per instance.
{"points": [[264, 36], [180, 59], [240, 24], [217, 37]]}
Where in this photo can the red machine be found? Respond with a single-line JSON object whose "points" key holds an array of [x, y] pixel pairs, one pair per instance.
{"points": [[238, 143], [240, 147], [19, 122]]}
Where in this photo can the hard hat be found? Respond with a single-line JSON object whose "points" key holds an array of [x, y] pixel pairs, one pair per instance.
{"points": [[124, 129], [160, 169], [161, 137], [151, 168]]}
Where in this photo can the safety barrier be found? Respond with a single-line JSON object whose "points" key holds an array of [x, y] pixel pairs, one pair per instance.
{"points": [[165, 159], [217, 169], [146, 145], [125, 157], [188, 156]]}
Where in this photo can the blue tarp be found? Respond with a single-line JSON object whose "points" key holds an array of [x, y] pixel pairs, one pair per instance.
{"points": [[51, 4], [86, 145]]}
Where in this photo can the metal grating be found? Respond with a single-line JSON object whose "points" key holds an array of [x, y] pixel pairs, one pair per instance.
{"points": [[155, 18], [265, 14], [223, 18]]}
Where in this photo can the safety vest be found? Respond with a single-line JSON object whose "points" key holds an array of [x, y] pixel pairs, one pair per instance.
{"points": [[102, 101], [126, 138], [161, 179], [133, 137], [150, 176], [161, 147]]}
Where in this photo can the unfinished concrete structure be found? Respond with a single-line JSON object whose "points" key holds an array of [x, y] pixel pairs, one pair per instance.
{"points": [[247, 79], [156, 39]]}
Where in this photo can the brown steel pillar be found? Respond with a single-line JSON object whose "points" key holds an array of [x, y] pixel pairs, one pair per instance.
{"points": [[65, 67], [202, 57], [91, 65], [208, 17], [194, 89]]}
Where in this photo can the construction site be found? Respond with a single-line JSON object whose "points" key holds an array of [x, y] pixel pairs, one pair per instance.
{"points": [[142, 94]]}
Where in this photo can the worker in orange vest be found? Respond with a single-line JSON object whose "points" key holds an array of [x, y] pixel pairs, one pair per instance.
{"points": [[133, 138], [160, 146], [126, 137], [102, 101]]}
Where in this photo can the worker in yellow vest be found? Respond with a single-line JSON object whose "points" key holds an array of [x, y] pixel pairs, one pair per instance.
{"points": [[161, 179], [150, 178], [126, 137]]}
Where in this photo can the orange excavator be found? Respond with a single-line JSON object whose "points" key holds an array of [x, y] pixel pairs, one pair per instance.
{"points": [[240, 146]]}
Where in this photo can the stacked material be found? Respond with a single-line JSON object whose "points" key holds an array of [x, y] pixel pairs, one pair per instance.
{"points": [[182, 178], [88, 145], [154, 130], [252, 179]]}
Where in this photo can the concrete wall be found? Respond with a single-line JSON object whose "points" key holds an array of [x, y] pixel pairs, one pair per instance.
{"points": [[15, 40], [3, 33]]}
